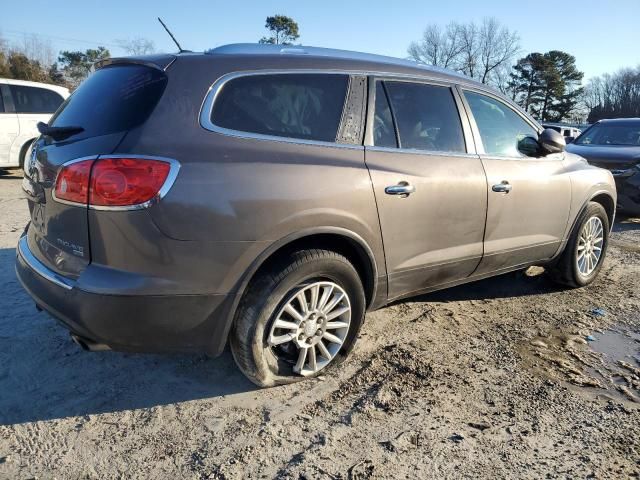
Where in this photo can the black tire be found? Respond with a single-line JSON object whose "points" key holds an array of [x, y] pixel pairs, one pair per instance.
{"points": [[267, 294], [565, 271]]}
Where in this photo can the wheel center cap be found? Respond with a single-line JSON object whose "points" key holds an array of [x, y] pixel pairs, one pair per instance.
{"points": [[310, 327]]}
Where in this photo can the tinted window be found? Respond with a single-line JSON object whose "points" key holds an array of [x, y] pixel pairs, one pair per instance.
{"points": [[113, 99], [305, 106], [500, 127], [1, 101], [384, 134], [426, 116], [34, 100], [611, 134]]}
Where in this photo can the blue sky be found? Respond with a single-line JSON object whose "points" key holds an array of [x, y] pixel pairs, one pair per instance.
{"points": [[603, 35]]}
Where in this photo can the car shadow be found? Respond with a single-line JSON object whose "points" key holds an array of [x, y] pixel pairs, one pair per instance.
{"points": [[509, 285], [44, 375], [626, 223]]}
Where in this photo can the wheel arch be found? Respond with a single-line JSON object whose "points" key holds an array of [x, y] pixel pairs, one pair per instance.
{"points": [[337, 239], [607, 202]]}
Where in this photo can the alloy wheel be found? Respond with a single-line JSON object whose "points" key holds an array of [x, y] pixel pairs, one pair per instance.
{"points": [[590, 245], [311, 327]]}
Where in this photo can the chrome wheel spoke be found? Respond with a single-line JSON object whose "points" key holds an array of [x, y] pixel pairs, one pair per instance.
{"points": [[333, 302], [332, 338], [313, 364], [302, 358], [334, 325], [315, 290], [286, 325], [302, 300], [337, 312], [293, 312], [326, 294], [323, 350], [280, 339]]}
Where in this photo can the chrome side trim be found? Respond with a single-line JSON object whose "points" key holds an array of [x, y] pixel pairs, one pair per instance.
{"points": [[415, 151], [207, 104], [38, 267]]}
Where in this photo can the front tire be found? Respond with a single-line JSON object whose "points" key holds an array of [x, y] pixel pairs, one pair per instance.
{"points": [[299, 318], [586, 249]]}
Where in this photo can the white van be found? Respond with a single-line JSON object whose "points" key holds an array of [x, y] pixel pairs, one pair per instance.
{"points": [[22, 105]]}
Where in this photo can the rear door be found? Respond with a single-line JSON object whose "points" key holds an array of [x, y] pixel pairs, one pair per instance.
{"points": [[107, 105], [9, 126], [528, 197], [429, 184]]}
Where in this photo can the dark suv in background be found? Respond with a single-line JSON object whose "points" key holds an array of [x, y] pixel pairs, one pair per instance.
{"points": [[270, 196], [615, 145]]}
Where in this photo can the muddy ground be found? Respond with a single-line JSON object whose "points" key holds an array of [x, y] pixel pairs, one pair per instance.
{"points": [[508, 377]]}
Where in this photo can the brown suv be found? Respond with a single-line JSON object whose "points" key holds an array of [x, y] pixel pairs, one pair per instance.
{"points": [[270, 196]]}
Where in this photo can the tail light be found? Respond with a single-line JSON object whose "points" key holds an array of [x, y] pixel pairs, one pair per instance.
{"points": [[119, 183]]}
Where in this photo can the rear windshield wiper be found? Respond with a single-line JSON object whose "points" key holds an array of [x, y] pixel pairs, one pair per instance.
{"points": [[58, 133]]}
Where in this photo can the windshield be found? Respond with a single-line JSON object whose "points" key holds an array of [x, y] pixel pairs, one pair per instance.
{"points": [[611, 134]]}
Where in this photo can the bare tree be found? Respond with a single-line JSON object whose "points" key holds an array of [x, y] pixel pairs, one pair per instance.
{"points": [[613, 95], [438, 47], [479, 51], [137, 46], [497, 46]]}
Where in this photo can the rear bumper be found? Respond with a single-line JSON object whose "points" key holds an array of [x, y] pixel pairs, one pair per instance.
{"points": [[140, 323]]}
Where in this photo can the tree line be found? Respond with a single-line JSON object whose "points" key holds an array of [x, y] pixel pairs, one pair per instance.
{"points": [[33, 59], [613, 95], [547, 85]]}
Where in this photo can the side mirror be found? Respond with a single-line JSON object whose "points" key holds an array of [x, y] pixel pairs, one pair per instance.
{"points": [[529, 146], [569, 140], [551, 142]]}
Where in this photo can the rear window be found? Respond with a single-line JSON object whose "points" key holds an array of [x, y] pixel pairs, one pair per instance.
{"points": [[113, 99], [304, 106], [34, 100]]}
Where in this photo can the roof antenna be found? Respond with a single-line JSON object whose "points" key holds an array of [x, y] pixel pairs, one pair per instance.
{"points": [[180, 49]]}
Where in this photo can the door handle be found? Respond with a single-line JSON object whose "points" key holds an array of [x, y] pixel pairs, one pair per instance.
{"points": [[404, 189], [503, 187]]}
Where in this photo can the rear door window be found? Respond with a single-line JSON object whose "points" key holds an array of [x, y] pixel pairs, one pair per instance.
{"points": [[302, 106], [34, 100], [384, 133], [426, 116], [500, 127], [113, 99]]}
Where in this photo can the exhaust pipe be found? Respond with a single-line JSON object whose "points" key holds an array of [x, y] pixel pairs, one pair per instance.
{"points": [[89, 345]]}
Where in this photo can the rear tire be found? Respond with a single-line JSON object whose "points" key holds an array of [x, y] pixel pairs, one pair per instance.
{"points": [[272, 326], [586, 249]]}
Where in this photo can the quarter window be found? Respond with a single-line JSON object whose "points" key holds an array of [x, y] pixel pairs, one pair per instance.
{"points": [[501, 129], [426, 117], [34, 100], [304, 106]]}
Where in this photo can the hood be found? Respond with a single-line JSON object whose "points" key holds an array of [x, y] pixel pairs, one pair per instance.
{"points": [[607, 156]]}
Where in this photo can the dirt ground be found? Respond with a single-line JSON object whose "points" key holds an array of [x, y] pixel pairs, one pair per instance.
{"points": [[508, 377]]}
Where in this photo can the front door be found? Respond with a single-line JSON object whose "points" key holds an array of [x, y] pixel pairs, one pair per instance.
{"points": [[429, 185], [528, 197]]}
